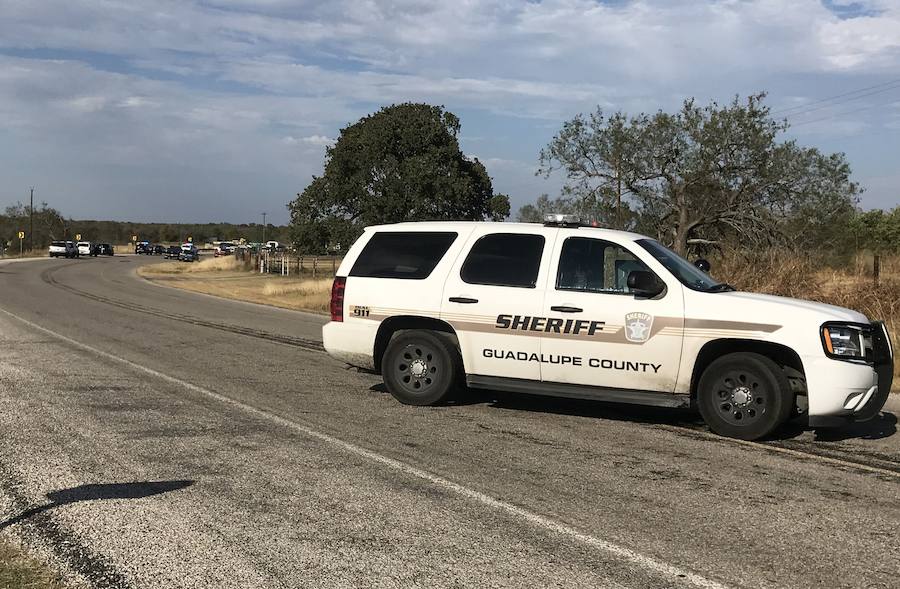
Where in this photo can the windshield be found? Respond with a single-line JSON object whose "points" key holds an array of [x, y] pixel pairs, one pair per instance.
{"points": [[58, 244], [688, 274]]}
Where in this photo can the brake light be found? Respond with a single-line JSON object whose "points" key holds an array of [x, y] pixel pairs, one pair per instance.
{"points": [[337, 298]]}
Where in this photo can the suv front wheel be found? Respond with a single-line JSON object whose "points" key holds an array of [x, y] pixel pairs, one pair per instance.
{"points": [[744, 395], [420, 368]]}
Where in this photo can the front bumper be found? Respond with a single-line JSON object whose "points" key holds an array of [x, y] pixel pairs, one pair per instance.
{"points": [[845, 391]]}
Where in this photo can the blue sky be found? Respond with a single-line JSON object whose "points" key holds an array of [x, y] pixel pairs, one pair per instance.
{"points": [[218, 110]]}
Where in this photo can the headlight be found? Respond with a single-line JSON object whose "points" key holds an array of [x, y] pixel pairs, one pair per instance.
{"points": [[850, 342]]}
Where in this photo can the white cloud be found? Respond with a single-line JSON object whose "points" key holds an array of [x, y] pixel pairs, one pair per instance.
{"points": [[313, 140], [223, 86], [319, 140]]}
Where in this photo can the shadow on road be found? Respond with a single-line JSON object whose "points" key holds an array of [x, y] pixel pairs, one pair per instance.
{"points": [[882, 426], [99, 492]]}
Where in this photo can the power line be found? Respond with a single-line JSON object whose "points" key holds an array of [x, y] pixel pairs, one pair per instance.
{"points": [[836, 96], [840, 114], [833, 104]]}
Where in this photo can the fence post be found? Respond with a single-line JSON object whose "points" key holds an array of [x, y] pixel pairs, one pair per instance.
{"points": [[876, 268], [333, 265], [315, 266]]}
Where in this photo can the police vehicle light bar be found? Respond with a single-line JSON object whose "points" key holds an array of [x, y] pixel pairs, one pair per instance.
{"points": [[560, 220]]}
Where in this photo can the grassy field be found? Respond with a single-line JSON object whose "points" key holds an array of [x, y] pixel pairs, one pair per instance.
{"points": [[226, 277], [19, 571]]}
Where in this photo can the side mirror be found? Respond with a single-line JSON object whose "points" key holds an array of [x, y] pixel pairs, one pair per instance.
{"points": [[644, 284], [703, 264]]}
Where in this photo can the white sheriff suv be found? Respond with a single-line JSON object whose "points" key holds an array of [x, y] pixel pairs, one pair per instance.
{"points": [[569, 310]]}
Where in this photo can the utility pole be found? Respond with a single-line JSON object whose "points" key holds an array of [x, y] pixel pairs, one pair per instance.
{"points": [[31, 222], [264, 229]]}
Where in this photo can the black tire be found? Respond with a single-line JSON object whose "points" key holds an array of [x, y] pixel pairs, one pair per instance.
{"points": [[421, 368], [744, 395]]}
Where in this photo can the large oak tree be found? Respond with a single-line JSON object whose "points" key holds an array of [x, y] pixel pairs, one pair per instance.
{"points": [[402, 163]]}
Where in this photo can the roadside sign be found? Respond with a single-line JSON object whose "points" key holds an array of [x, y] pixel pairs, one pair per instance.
{"points": [[21, 235], [134, 238], [190, 239], [77, 237]]}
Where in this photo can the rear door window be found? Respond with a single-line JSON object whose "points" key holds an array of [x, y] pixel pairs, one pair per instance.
{"points": [[410, 255], [504, 259]]}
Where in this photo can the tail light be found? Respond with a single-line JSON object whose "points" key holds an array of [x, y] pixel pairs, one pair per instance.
{"points": [[337, 298]]}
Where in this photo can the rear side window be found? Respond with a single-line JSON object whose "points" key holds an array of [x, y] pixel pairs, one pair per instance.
{"points": [[397, 254], [58, 244], [504, 259]]}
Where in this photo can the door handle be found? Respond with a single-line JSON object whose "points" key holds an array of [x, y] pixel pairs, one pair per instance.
{"points": [[566, 309], [463, 300]]}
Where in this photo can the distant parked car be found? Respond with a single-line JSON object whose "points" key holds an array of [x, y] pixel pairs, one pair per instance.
{"points": [[173, 252], [102, 249], [224, 249], [65, 249], [84, 248], [142, 247], [159, 250], [189, 253]]}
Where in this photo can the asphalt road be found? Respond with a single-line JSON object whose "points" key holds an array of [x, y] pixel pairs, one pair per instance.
{"points": [[157, 438]]}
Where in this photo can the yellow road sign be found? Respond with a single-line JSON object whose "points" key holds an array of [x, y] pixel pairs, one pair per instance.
{"points": [[21, 235], [134, 238], [190, 240], [77, 237]]}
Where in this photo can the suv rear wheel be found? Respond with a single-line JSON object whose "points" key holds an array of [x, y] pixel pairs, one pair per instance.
{"points": [[744, 395], [420, 368]]}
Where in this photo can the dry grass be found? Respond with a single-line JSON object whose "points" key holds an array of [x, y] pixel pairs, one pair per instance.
{"points": [[849, 285], [228, 264], [226, 277], [18, 570], [305, 288]]}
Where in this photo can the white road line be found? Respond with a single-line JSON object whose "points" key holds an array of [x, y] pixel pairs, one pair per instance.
{"points": [[673, 573]]}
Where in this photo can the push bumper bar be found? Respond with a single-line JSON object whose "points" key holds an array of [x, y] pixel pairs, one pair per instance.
{"points": [[883, 363]]}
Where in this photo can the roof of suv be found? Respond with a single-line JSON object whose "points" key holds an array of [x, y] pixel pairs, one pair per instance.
{"points": [[445, 225]]}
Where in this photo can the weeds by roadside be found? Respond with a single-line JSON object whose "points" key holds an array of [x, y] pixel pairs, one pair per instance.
{"points": [[20, 571], [227, 277], [227, 264], [849, 285]]}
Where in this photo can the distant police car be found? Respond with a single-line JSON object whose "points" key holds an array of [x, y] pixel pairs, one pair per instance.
{"points": [[562, 309]]}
